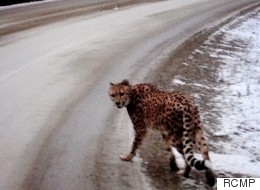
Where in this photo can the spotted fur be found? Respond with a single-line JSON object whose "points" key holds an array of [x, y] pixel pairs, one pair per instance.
{"points": [[172, 113]]}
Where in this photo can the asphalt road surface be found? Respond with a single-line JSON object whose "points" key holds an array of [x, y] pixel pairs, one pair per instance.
{"points": [[58, 128]]}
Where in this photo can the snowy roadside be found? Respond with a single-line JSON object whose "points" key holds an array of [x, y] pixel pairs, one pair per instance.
{"points": [[236, 48], [220, 70], [238, 101]]}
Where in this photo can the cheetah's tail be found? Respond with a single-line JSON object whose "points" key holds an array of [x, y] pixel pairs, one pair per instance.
{"points": [[189, 143], [190, 158]]}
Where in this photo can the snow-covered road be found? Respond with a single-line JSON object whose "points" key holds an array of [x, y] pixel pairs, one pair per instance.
{"points": [[55, 114]]}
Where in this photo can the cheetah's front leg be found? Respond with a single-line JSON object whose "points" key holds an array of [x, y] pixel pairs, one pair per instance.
{"points": [[140, 133]]}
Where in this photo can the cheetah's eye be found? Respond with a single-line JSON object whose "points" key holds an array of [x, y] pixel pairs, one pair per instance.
{"points": [[121, 94], [112, 95]]}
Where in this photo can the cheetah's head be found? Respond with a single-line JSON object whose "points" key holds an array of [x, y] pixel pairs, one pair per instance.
{"points": [[120, 93]]}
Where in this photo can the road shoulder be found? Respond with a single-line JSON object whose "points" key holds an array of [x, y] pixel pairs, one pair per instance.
{"points": [[192, 69]]}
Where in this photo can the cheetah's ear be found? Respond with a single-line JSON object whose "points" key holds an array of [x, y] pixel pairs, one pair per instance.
{"points": [[111, 84], [125, 82]]}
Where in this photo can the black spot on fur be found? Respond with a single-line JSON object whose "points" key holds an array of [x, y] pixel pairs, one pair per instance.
{"points": [[189, 157], [192, 161], [186, 134], [188, 150], [186, 142], [199, 165]]}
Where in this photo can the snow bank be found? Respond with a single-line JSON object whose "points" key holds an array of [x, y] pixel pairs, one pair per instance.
{"points": [[240, 95], [235, 47]]}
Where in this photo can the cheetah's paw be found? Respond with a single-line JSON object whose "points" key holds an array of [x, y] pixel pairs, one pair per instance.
{"points": [[180, 172], [127, 158]]}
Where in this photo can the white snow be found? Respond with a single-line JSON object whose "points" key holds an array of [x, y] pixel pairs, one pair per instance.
{"points": [[178, 81], [236, 164], [238, 97], [239, 100]]}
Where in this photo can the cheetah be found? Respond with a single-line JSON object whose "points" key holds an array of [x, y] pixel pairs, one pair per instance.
{"points": [[173, 114]]}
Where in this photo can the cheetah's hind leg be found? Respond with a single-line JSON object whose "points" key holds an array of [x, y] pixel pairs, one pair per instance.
{"points": [[173, 165], [211, 178], [174, 168], [187, 171]]}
